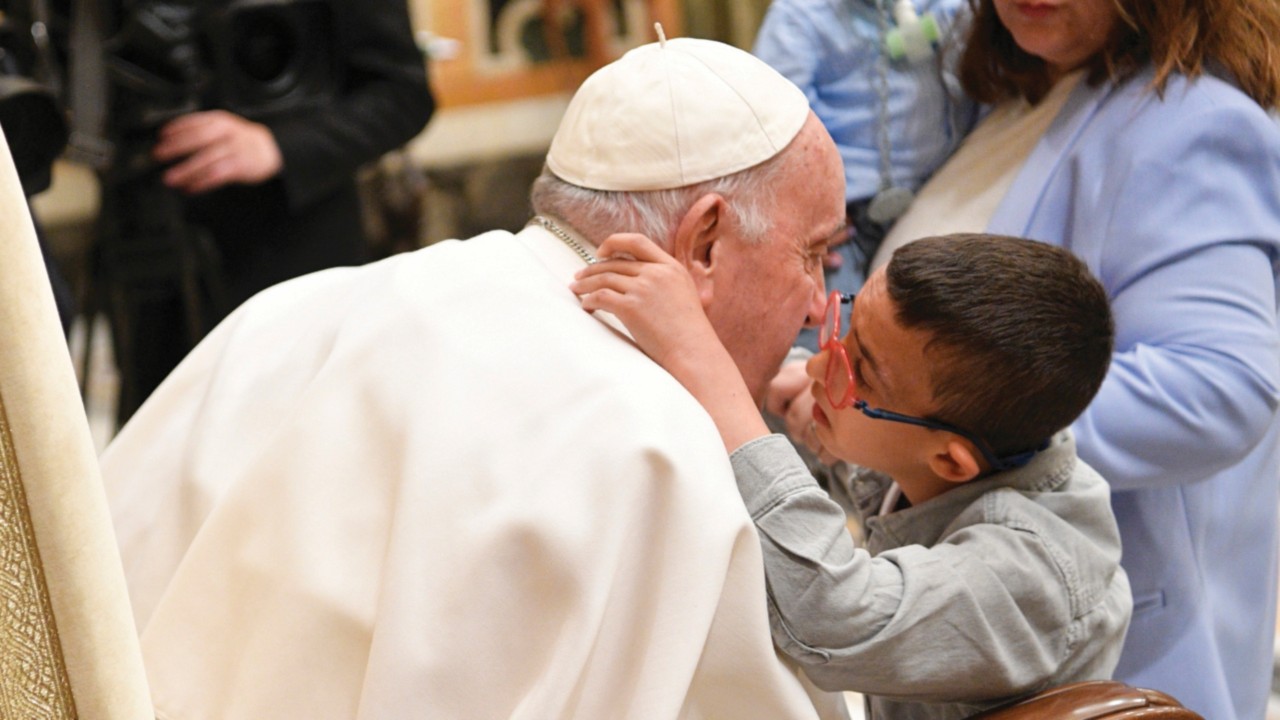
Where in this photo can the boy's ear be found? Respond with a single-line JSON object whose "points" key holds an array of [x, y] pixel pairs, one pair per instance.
{"points": [[955, 462], [697, 240]]}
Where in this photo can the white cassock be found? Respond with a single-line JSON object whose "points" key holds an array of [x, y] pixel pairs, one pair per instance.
{"points": [[435, 487]]}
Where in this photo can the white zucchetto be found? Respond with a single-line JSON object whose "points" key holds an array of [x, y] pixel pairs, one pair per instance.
{"points": [[674, 113]]}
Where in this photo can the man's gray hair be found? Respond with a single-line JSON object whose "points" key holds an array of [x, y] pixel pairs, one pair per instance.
{"points": [[596, 214]]}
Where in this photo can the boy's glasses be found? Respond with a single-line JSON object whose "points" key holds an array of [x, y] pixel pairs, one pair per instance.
{"points": [[842, 390]]}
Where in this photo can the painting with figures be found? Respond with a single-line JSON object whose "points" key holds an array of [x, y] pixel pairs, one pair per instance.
{"points": [[511, 49]]}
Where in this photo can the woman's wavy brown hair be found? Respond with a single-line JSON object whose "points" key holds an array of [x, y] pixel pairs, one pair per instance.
{"points": [[1238, 38]]}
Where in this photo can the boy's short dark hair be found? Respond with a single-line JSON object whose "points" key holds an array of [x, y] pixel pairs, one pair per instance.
{"points": [[1021, 332]]}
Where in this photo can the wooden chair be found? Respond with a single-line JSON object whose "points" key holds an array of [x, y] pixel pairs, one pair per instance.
{"points": [[1097, 699], [68, 647]]}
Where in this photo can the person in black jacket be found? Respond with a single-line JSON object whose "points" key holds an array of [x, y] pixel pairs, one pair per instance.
{"points": [[275, 195]]}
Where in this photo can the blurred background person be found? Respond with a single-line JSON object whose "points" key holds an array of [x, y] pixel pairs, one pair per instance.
{"points": [[238, 130]]}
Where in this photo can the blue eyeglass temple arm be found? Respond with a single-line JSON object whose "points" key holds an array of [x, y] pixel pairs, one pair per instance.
{"points": [[1009, 462]]}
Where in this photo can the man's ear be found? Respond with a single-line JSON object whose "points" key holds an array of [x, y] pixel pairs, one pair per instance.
{"points": [[696, 241], [955, 461]]}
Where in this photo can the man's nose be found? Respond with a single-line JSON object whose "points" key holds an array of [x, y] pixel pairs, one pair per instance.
{"points": [[817, 309]]}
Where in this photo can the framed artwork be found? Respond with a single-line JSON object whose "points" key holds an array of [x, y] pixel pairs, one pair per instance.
{"points": [[515, 49]]}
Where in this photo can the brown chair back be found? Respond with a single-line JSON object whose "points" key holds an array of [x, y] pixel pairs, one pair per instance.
{"points": [[1096, 699]]}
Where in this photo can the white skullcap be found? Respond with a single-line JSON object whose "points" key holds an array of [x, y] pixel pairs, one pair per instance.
{"points": [[675, 113]]}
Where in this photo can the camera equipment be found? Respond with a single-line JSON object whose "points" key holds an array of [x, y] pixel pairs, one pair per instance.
{"points": [[167, 58], [256, 58], [271, 57], [154, 66]]}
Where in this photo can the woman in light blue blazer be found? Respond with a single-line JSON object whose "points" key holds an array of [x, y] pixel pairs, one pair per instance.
{"points": [[1175, 204], [1161, 169]]}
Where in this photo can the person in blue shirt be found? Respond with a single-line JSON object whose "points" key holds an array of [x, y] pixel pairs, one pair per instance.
{"points": [[894, 117]]}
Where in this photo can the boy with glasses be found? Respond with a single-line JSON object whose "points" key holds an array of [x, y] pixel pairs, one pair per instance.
{"points": [[992, 561]]}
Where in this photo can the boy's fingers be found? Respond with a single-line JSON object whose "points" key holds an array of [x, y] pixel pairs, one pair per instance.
{"points": [[611, 300], [635, 245], [591, 283], [602, 299], [630, 268]]}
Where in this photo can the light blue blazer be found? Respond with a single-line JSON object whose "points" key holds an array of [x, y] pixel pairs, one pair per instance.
{"points": [[1175, 205]]}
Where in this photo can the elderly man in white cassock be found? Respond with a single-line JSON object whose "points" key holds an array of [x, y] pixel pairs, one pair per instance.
{"points": [[436, 487]]}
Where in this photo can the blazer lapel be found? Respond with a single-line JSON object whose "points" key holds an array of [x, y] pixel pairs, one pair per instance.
{"points": [[1013, 215]]}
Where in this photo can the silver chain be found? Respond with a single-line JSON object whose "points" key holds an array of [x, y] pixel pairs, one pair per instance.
{"points": [[574, 245]]}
